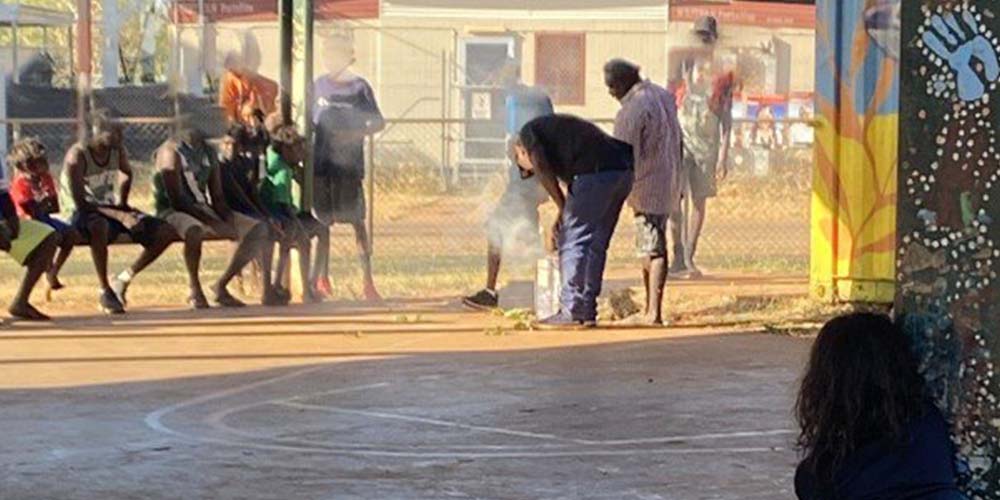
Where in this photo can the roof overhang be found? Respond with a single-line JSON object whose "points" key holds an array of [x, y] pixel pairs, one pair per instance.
{"points": [[29, 16]]}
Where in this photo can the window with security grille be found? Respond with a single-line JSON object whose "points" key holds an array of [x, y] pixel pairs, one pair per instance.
{"points": [[561, 66]]}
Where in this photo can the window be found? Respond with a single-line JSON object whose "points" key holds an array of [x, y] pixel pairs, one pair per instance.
{"points": [[561, 66]]}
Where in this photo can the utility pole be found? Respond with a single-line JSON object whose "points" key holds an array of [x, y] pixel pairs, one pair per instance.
{"points": [[285, 20], [307, 100], [109, 60], [202, 36], [84, 65]]}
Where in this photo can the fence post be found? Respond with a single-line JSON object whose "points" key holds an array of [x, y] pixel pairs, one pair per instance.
{"points": [[444, 121], [371, 194], [3, 131], [449, 77]]}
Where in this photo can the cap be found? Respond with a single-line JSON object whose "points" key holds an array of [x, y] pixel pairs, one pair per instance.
{"points": [[707, 26]]}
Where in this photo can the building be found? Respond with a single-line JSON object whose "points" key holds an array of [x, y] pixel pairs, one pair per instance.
{"points": [[440, 59]]}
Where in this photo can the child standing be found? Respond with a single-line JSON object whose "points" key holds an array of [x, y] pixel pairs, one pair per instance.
{"points": [[35, 197], [288, 149]]}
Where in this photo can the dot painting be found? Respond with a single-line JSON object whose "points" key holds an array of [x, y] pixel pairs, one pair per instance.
{"points": [[948, 251]]}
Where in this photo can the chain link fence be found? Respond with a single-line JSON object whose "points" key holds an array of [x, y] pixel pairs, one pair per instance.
{"points": [[427, 210], [438, 169], [428, 221]]}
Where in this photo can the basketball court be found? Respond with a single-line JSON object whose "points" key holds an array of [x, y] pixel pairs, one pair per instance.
{"points": [[416, 400]]}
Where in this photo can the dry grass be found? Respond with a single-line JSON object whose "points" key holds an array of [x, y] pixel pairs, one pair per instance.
{"points": [[430, 243]]}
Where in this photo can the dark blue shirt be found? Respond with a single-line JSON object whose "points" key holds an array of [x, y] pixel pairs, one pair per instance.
{"points": [[568, 146], [920, 468]]}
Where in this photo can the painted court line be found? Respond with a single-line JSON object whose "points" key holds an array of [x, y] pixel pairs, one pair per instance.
{"points": [[496, 430], [429, 421], [217, 420], [697, 437], [155, 421]]}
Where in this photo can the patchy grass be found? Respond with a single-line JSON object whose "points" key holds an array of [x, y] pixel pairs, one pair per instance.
{"points": [[431, 243], [779, 314]]}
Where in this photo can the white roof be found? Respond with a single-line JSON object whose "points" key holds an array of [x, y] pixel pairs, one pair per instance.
{"points": [[27, 15]]}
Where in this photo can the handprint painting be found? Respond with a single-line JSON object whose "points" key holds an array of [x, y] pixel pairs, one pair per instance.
{"points": [[949, 240]]}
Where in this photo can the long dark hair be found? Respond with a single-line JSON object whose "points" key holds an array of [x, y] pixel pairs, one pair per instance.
{"points": [[861, 386]]}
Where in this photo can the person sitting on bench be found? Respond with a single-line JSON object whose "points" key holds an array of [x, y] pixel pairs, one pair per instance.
{"points": [[188, 194], [36, 198], [95, 185], [239, 165], [284, 159], [31, 244]]}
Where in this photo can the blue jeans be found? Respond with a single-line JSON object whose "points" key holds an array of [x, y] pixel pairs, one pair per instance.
{"points": [[589, 218]]}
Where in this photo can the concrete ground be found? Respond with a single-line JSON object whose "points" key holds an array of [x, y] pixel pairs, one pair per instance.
{"points": [[420, 401]]}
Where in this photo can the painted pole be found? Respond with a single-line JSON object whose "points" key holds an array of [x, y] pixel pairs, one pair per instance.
{"points": [[854, 185], [948, 252]]}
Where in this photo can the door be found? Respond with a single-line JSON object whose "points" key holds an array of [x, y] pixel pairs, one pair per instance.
{"points": [[482, 60]]}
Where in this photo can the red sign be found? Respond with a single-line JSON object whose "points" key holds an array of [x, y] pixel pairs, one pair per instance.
{"points": [[267, 10], [762, 14], [330, 10]]}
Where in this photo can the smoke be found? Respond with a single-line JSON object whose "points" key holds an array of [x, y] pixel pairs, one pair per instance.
{"points": [[509, 207]]}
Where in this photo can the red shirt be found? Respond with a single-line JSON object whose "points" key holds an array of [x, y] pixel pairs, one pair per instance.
{"points": [[41, 192]]}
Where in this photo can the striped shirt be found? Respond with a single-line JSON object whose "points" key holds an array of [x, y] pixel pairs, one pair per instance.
{"points": [[648, 121]]}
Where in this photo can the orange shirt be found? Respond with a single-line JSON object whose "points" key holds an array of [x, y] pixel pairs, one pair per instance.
{"points": [[239, 91]]}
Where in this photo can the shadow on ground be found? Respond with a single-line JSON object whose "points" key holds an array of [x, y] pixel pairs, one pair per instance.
{"points": [[429, 413]]}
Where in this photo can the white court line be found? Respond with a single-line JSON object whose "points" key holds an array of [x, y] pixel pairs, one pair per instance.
{"points": [[154, 420], [429, 421], [345, 390], [552, 437], [696, 437], [218, 419], [424, 455]]}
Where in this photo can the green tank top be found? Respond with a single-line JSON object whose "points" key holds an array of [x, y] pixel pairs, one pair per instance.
{"points": [[100, 180]]}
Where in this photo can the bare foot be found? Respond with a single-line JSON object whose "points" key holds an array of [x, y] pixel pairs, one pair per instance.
{"points": [[371, 294], [54, 283], [695, 272], [26, 312], [310, 296], [322, 288], [640, 321]]}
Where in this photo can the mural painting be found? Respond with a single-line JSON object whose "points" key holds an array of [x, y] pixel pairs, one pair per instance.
{"points": [[854, 180], [948, 256]]}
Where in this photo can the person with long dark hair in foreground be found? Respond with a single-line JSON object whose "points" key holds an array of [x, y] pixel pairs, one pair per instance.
{"points": [[868, 430]]}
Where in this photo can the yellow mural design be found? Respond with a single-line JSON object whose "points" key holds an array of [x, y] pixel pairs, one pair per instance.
{"points": [[854, 177]]}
